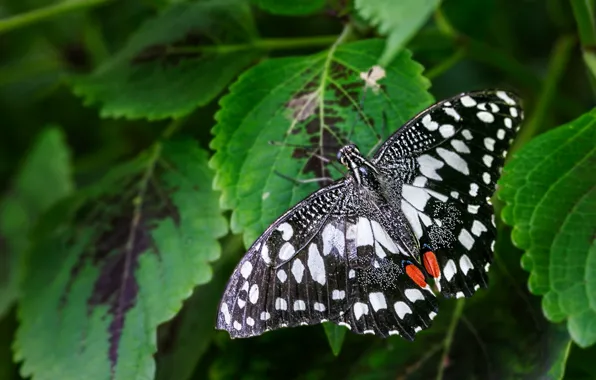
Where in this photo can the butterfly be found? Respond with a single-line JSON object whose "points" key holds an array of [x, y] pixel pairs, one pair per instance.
{"points": [[363, 251]]}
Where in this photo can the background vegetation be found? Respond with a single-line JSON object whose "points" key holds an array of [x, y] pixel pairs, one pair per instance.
{"points": [[135, 169]]}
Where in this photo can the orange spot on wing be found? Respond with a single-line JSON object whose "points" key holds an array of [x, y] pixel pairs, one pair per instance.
{"points": [[416, 275], [431, 264]]}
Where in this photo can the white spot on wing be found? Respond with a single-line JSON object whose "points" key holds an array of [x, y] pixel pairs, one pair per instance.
{"points": [[486, 178], [449, 270], [465, 264], [454, 160], [360, 309], [382, 237], [250, 321], [467, 101], [473, 189], [465, 239], [364, 235], [253, 294], [472, 209], [460, 146], [281, 304], [428, 123], [286, 231], [226, 313], [429, 166], [265, 316], [377, 301], [246, 269], [338, 294], [452, 112], [414, 295], [416, 196], [485, 117], [286, 251], [489, 143], [319, 306], [503, 95], [478, 228], [281, 275], [316, 265], [298, 270], [299, 305], [446, 130], [459, 295], [501, 134], [237, 325], [412, 216], [402, 308], [467, 134], [333, 237], [488, 160]]}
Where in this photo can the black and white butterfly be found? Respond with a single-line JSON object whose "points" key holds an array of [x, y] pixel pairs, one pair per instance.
{"points": [[360, 251]]}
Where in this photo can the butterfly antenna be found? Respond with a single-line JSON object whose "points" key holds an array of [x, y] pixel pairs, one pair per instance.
{"points": [[303, 181]]}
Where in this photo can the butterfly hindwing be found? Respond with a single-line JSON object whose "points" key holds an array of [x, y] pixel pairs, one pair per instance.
{"points": [[345, 268], [449, 158]]}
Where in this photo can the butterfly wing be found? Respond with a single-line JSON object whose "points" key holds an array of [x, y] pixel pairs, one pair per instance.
{"points": [[324, 261], [449, 158]]}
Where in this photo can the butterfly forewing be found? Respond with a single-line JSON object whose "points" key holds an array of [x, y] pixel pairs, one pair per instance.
{"points": [[360, 251], [449, 158]]}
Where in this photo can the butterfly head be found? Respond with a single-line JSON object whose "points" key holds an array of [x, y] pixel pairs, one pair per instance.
{"points": [[350, 157]]}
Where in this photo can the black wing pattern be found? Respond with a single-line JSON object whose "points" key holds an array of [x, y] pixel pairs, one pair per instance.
{"points": [[324, 260], [449, 158], [359, 252]]}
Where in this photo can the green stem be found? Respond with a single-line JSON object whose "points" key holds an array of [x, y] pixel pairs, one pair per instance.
{"points": [[262, 44], [445, 65], [459, 308], [41, 14], [557, 65], [583, 10]]}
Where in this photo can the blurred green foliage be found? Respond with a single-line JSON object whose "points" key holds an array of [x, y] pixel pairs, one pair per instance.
{"points": [[118, 187]]}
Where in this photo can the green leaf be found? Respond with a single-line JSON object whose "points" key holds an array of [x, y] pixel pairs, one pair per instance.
{"points": [[175, 62], [550, 190], [335, 335], [114, 262], [280, 100], [43, 179], [398, 20], [291, 7], [187, 337]]}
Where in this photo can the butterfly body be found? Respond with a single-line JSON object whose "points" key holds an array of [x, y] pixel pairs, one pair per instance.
{"points": [[361, 251]]}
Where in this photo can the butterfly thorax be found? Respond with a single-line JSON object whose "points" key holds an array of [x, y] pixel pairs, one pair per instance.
{"points": [[363, 171]]}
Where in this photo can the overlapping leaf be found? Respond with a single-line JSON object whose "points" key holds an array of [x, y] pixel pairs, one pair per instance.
{"points": [[180, 60], [550, 189], [304, 100], [43, 179], [116, 261], [398, 20]]}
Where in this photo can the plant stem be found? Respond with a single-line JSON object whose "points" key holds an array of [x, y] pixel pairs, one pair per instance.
{"points": [[459, 308], [442, 67], [583, 11], [260, 44], [557, 65], [42, 14]]}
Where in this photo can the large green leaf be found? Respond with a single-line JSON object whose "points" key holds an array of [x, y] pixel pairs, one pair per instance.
{"points": [[174, 62], [398, 20], [301, 100], [43, 179], [113, 263], [550, 190]]}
